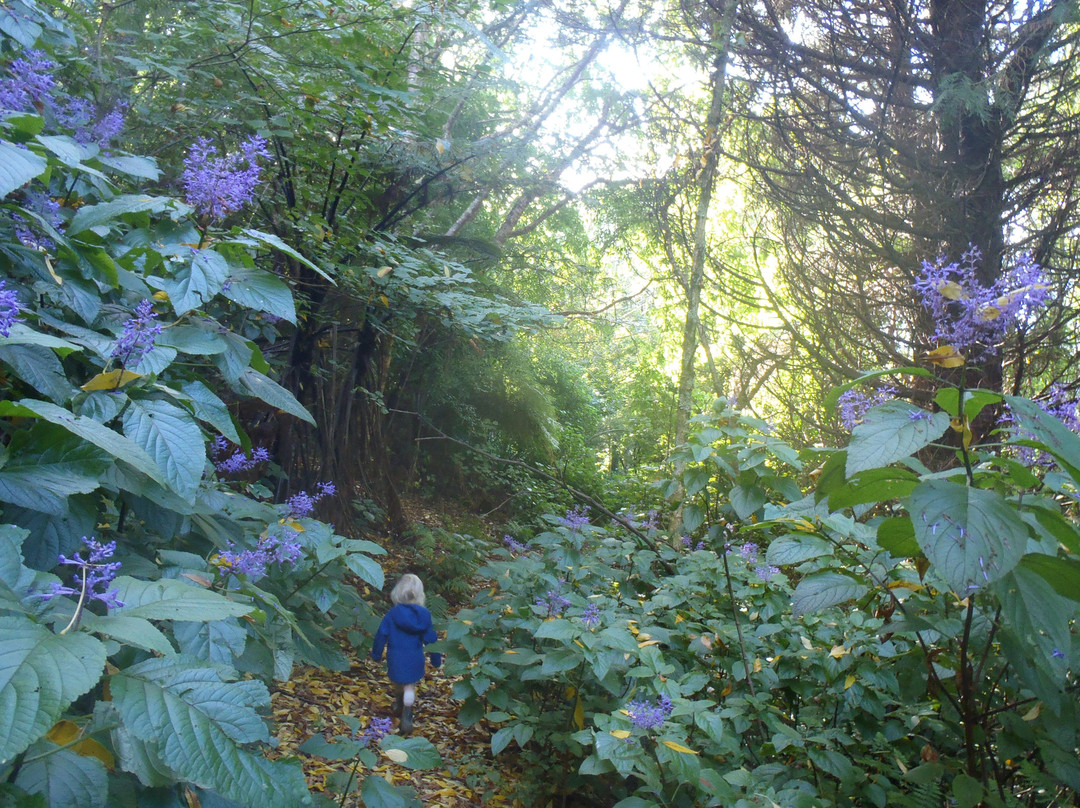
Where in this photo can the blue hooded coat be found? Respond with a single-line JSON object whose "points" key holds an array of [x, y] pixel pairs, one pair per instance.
{"points": [[403, 633]]}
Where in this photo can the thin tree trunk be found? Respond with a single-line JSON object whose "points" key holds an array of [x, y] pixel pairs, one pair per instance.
{"points": [[696, 277]]}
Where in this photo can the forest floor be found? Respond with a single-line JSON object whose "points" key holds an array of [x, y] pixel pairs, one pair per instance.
{"points": [[313, 701]]}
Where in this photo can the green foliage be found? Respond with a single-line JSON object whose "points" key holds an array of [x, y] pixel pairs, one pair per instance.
{"points": [[164, 684], [913, 646]]}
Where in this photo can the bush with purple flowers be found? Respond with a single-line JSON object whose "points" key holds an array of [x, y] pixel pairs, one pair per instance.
{"points": [[217, 186], [9, 309]]}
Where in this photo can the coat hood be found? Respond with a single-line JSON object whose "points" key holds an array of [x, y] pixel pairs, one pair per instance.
{"points": [[411, 618]]}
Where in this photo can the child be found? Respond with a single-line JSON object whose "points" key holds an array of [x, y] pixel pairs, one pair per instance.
{"points": [[404, 632]]}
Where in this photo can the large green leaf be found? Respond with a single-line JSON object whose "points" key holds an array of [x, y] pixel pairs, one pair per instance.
{"points": [[38, 366], [216, 640], [795, 548], [260, 290], [172, 438], [136, 631], [196, 720], [746, 499], [17, 167], [88, 429], [106, 212], [196, 283], [825, 589], [972, 537], [273, 394], [64, 778], [1060, 441], [873, 485], [377, 793], [211, 409], [20, 334], [41, 673], [145, 168], [270, 240], [46, 465], [70, 153], [418, 753], [1063, 574], [173, 599], [367, 569], [892, 431]]}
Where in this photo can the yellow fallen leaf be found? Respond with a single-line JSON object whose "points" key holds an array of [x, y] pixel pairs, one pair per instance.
{"points": [[621, 734], [647, 643], [161, 295], [809, 646], [757, 665], [838, 651], [579, 714], [947, 356], [113, 380], [678, 747], [396, 755], [951, 290], [63, 732], [726, 691], [849, 681], [384, 271], [678, 619]]}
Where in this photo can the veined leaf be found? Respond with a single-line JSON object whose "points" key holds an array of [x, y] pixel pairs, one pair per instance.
{"points": [[104, 212], [970, 535], [418, 753], [273, 394], [88, 429], [260, 290], [271, 240], [171, 437], [17, 167], [63, 777], [172, 599], [196, 721], [41, 673], [196, 283], [824, 589], [892, 431]]}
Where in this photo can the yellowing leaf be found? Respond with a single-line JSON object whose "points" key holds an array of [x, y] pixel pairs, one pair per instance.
{"points": [[757, 665], [726, 691], [63, 732], [838, 651], [384, 271], [621, 734], [510, 651], [989, 313], [678, 747], [396, 755], [809, 646], [113, 380], [951, 290], [579, 714], [947, 356], [849, 681], [647, 643], [161, 295], [678, 618], [1033, 713]]}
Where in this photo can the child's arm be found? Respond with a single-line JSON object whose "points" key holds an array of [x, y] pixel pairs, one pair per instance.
{"points": [[381, 637], [429, 637]]}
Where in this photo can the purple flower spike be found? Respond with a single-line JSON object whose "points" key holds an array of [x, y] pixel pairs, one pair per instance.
{"points": [[576, 518], [376, 730], [749, 552], [854, 405], [139, 334], [217, 186], [97, 570], [9, 309], [514, 546], [766, 572], [29, 85], [590, 618]]}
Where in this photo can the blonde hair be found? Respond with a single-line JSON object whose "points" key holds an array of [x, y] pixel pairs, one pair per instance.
{"points": [[409, 589]]}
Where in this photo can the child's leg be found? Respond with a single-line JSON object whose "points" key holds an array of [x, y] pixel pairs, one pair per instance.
{"points": [[408, 699], [409, 696], [399, 695]]}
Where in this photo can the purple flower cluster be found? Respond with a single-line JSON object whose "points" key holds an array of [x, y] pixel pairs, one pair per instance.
{"points": [[95, 574], [853, 405], [271, 549], [553, 602], [749, 552], [217, 186], [48, 209], [590, 618], [237, 461], [576, 518], [648, 717], [515, 546], [766, 572], [139, 334], [973, 318], [82, 116], [9, 309], [303, 504], [375, 731], [687, 542], [29, 85]]}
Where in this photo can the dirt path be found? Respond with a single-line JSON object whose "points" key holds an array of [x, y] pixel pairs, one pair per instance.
{"points": [[313, 701]]}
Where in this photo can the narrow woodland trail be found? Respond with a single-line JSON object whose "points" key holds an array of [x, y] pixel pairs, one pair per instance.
{"points": [[313, 701]]}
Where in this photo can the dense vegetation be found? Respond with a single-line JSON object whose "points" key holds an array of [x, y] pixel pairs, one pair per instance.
{"points": [[747, 329]]}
